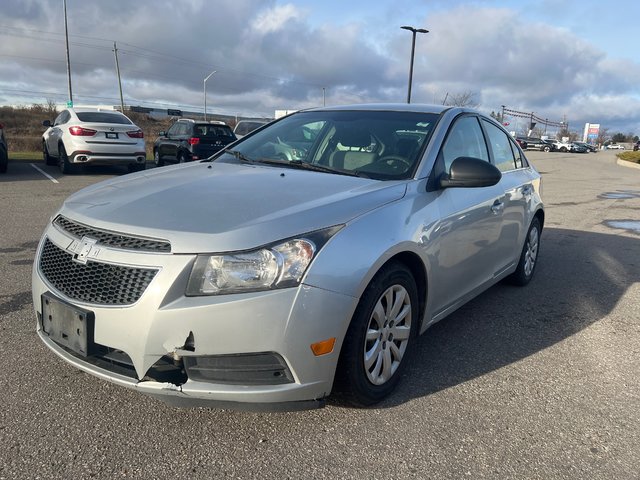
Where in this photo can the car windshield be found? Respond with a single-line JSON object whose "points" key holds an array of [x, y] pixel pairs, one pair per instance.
{"points": [[375, 144], [103, 117]]}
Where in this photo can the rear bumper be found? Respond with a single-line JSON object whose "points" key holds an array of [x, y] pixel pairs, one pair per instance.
{"points": [[107, 158]]}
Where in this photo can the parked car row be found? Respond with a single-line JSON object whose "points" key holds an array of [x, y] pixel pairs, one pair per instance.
{"points": [[83, 136], [550, 145]]}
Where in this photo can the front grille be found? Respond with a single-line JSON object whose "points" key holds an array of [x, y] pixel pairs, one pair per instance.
{"points": [[97, 283], [112, 239]]}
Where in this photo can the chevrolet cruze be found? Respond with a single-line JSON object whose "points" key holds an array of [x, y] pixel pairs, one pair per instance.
{"points": [[303, 259]]}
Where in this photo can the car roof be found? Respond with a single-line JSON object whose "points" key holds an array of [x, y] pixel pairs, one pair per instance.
{"points": [[393, 107]]}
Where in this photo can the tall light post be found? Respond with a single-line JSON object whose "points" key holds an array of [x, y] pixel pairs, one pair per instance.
{"points": [[413, 50], [66, 36], [205, 93]]}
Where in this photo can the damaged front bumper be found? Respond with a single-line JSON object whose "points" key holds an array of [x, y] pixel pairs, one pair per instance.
{"points": [[243, 351]]}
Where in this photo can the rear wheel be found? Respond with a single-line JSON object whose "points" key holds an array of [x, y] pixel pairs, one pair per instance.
{"points": [[182, 157], [529, 256], [546, 149], [378, 341], [65, 166], [48, 159]]}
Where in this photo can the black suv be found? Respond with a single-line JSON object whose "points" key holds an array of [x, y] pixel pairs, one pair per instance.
{"points": [[534, 143], [4, 155], [188, 140]]}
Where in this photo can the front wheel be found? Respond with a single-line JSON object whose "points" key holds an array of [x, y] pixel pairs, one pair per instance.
{"points": [[529, 256], [156, 159], [378, 341], [546, 149]]}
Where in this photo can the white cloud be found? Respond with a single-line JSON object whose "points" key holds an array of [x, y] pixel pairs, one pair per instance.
{"points": [[276, 18]]}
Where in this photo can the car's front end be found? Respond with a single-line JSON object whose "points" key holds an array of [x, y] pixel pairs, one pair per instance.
{"points": [[141, 302]]}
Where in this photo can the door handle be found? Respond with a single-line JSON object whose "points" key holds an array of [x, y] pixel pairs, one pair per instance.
{"points": [[497, 207]]}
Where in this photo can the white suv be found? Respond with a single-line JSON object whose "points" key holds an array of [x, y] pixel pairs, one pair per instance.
{"points": [[89, 135]]}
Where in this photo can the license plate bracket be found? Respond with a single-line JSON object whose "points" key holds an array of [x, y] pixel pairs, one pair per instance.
{"points": [[68, 325], [111, 135]]}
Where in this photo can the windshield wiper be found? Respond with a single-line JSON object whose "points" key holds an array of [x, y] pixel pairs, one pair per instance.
{"points": [[239, 155], [310, 166]]}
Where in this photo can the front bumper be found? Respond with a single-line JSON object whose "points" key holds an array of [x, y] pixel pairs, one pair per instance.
{"points": [[161, 323]]}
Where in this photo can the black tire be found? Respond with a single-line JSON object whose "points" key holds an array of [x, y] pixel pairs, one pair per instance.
{"points": [[159, 162], [528, 256], [4, 160], [182, 157], [48, 159], [385, 341], [547, 149], [65, 166]]}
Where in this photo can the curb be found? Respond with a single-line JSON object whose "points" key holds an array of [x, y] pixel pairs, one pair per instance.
{"points": [[628, 164]]}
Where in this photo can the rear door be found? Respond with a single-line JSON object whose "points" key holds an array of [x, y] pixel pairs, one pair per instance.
{"points": [[517, 188]]}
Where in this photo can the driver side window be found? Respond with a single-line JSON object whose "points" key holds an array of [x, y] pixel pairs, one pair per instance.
{"points": [[465, 139]]}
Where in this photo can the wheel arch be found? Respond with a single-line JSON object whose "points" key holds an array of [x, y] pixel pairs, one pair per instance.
{"points": [[417, 268]]}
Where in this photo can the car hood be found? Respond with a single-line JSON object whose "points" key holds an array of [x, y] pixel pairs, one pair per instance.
{"points": [[216, 206]]}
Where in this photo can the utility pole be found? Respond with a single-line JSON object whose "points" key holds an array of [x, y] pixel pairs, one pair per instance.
{"points": [[115, 52], [323, 97], [66, 36]]}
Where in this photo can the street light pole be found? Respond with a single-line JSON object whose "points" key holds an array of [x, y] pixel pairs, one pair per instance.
{"points": [[66, 36], [413, 50], [205, 93]]}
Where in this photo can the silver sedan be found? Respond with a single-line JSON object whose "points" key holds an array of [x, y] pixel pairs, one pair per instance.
{"points": [[302, 260]]}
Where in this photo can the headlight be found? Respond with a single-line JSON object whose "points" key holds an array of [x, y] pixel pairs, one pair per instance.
{"points": [[276, 266]]}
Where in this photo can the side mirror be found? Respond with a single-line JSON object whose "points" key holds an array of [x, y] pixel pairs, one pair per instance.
{"points": [[162, 134], [469, 172], [46, 123]]}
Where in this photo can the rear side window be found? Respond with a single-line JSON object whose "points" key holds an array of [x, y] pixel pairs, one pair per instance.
{"points": [[103, 117], [501, 145]]}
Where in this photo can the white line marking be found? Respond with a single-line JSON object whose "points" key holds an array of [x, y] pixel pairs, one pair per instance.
{"points": [[44, 173]]}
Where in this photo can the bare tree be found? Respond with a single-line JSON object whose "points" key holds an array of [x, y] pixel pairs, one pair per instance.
{"points": [[603, 135], [464, 99], [51, 108]]}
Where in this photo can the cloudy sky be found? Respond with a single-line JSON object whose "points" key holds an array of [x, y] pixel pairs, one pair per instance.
{"points": [[577, 61]]}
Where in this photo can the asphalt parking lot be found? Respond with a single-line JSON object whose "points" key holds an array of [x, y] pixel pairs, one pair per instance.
{"points": [[538, 382]]}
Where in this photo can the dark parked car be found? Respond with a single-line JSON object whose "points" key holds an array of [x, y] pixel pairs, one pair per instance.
{"points": [[636, 146], [523, 144], [538, 144], [188, 140], [588, 146], [4, 155], [578, 148], [244, 127]]}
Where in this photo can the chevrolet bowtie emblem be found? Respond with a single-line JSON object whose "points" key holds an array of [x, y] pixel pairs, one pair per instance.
{"points": [[84, 249]]}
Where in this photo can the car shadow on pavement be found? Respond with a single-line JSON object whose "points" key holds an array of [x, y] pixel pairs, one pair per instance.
{"points": [[580, 279]]}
